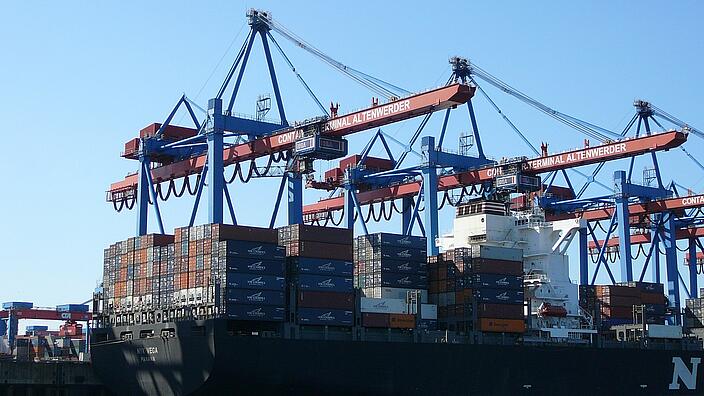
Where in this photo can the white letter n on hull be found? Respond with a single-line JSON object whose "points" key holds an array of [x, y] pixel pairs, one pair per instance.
{"points": [[681, 372]]}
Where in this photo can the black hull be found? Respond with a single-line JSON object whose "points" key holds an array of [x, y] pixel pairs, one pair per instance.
{"points": [[218, 363]]}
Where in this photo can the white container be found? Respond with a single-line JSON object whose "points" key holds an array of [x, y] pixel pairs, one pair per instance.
{"points": [[428, 312], [663, 331], [383, 305], [497, 253], [393, 292]]}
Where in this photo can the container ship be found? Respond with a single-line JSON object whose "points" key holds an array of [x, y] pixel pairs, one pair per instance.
{"points": [[310, 310]]}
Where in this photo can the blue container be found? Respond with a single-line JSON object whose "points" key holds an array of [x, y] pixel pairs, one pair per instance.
{"points": [[405, 241], [255, 282], [254, 312], [256, 297], [72, 308], [315, 266], [404, 266], [17, 305], [255, 266], [325, 317], [403, 253], [404, 281], [428, 324], [324, 283], [655, 309], [495, 281], [32, 329], [262, 250], [499, 296]]}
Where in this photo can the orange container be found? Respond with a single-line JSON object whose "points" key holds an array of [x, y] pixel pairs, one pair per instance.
{"points": [[502, 325], [402, 321]]}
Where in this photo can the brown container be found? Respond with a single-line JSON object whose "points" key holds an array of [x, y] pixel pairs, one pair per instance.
{"points": [[615, 290], [302, 232], [619, 301], [331, 300], [502, 325], [402, 321], [319, 250], [500, 311], [224, 232], [617, 312], [652, 298], [489, 266], [375, 320]]}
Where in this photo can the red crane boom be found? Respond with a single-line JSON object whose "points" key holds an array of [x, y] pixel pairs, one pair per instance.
{"points": [[569, 159], [376, 116]]}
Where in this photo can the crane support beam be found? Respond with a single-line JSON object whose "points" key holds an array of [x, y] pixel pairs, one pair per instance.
{"points": [[640, 239], [607, 152], [376, 116], [46, 314]]}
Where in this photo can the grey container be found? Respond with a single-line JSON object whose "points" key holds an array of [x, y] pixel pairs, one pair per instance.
{"points": [[497, 253]]}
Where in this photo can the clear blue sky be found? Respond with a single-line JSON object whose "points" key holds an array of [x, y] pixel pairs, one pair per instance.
{"points": [[78, 79]]}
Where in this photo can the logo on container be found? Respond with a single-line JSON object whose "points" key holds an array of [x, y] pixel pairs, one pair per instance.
{"points": [[256, 313], [503, 296], [326, 267], [404, 241], [256, 266], [404, 254], [404, 267], [502, 282], [257, 251], [256, 297], [380, 305], [327, 283], [404, 281], [256, 282], [326, 317]]}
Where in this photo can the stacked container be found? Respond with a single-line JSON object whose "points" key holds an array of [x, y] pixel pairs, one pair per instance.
{"points": [[391, 265], [253, 286], [137, 272], [479, 288], [320, 267], [615, 303]]}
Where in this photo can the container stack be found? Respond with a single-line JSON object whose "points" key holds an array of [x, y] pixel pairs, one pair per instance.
{"points": [[615, 303], [479, 288], [138, 272], [391, 266], [251, 273], [319, 264], [694, 314]]}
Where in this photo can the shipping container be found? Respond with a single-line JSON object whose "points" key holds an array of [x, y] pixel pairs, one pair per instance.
{"points": [[487, 266], [383, 305], [497, 281], [394, 292], [500, 311], [325, 317], [502, 325], [403, 266], [319, 250], [392, 252], [317, 266], [323, 283], [72, 308], [258, 297], [331, 300], [497, 253], [499, 296], [255, 265], [398, 240], [262, 250], [253, 312], [254, 281], [402, 321], [17, 305], [406, 281], [381, 320], [223, 232], [302, 232], [653, 298]]}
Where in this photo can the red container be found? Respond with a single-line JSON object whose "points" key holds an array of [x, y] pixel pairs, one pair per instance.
{"points": [[224, 232], [333, 175], [502, 325], [319, 250], [332, 300], [489, 266], [375, 319], [170, 132], [402, 321], [617, 312], [302, 232], [652, 298]]}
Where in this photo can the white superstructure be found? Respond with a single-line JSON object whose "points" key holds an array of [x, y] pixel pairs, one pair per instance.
{"points": [[554, 302]]}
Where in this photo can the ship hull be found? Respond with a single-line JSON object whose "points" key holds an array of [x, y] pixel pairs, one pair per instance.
{"points": [[213, 362]]}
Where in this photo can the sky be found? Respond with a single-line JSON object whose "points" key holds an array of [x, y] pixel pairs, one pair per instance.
{"points": [[80, 78]]}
